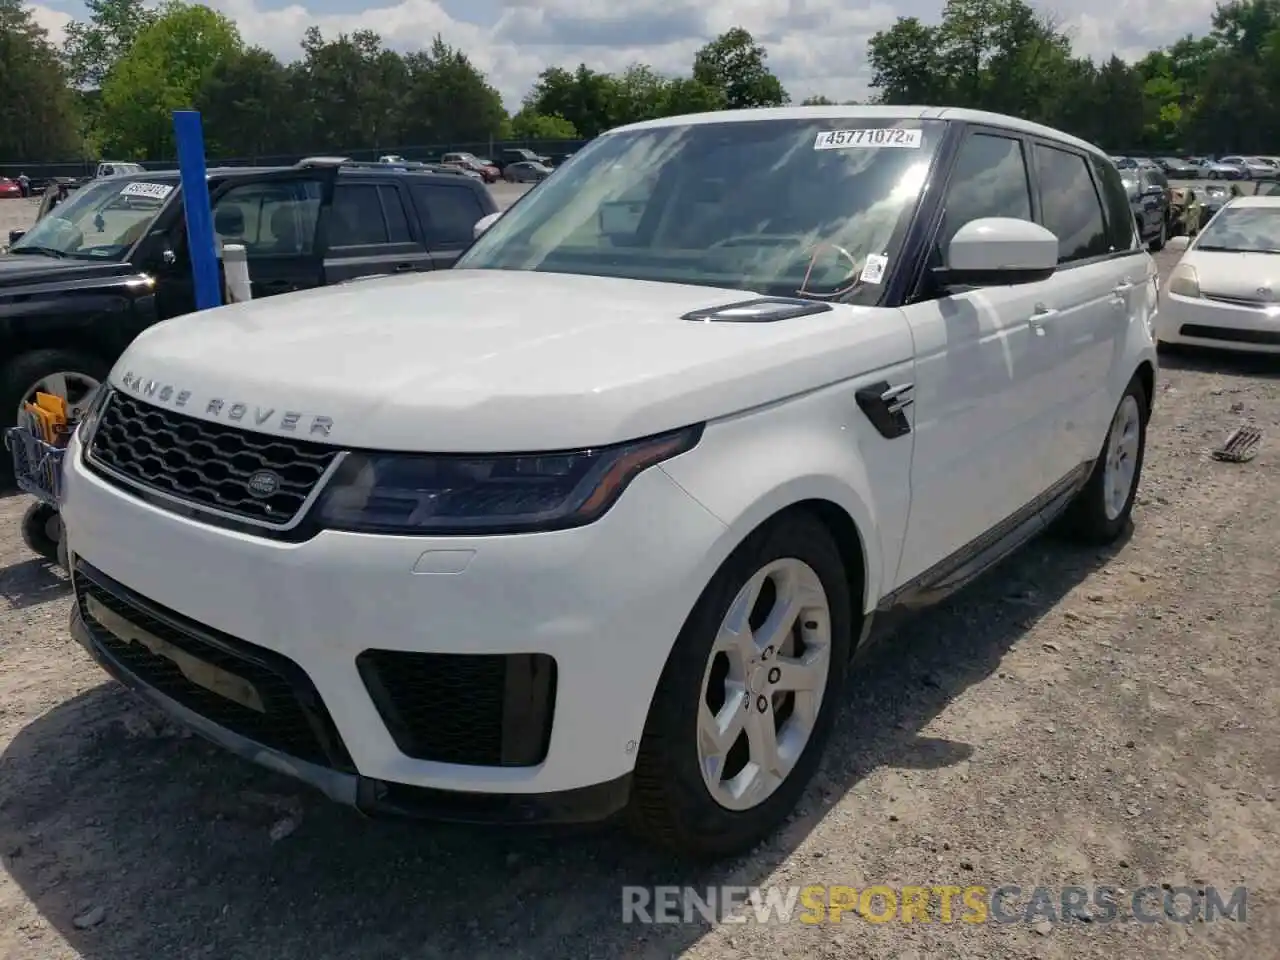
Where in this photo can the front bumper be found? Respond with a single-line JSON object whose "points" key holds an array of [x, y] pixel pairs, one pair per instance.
{"points": [[1203, 322], [604, 603], [376, 797]]}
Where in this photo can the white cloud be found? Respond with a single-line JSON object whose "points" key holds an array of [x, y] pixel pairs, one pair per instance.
{"points": [[815, 46], [54, 21]]}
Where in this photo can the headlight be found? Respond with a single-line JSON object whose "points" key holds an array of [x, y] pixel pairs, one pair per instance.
{"points": [[1184, 282], [461, 494], [92, 414]]}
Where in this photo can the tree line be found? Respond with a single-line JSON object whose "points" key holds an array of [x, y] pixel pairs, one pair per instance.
{"points": [[110, 89]]}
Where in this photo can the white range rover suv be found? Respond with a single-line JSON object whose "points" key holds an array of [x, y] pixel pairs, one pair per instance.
{"points": [[595, 522]]}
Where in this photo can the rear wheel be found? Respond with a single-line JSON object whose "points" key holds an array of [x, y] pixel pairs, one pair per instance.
{"points": [[1101, 511], [746, 701]]}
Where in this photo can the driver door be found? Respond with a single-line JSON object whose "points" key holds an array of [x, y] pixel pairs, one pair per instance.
{"points": [[275, 216]]}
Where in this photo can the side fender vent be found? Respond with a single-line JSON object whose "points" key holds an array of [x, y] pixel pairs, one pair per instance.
{"points": [[759, 310]]}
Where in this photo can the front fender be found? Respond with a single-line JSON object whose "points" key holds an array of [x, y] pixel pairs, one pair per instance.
{"points": [[750, 467]]}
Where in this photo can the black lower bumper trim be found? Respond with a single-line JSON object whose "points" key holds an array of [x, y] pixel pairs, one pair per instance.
{"points": [[378, 798], [1269, 338]]}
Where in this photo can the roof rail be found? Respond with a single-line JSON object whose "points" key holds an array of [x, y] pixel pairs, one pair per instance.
{"points": [[323, 162], [349, 163]]}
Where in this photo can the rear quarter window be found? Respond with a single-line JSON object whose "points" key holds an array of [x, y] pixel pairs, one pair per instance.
{"points": [[448, 212]]}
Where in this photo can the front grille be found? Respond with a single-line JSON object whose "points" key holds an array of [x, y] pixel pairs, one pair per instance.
{"points": [[488, 710], [207, 465], [1269, 338], [294, 719]]}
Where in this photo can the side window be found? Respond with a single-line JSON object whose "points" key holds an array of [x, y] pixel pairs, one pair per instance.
{"points": [[393, 210], [989, 180], [356, 218], [449, 213], [1120, 224], [1070, 204], [270, 217]]}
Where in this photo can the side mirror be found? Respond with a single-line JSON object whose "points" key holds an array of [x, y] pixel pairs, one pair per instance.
{"points": [[16, 235], [1177, 244], [999, 251], [485, 222]]}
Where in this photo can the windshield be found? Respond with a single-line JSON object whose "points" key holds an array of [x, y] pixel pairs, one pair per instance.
{"points": [[101, 221], [777, 207], [1243, 230]]}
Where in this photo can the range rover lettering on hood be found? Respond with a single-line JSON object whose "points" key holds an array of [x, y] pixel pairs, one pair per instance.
{"points": [[219, 408]]}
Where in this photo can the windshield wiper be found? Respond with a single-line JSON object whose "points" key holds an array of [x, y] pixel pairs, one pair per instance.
{"points": [[42, 251]]}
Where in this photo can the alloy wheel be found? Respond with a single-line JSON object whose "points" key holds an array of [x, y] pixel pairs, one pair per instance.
{"points": [[763, 684]]}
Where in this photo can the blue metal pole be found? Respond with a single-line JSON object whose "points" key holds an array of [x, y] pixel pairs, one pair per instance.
{"points": [[189, 134]]}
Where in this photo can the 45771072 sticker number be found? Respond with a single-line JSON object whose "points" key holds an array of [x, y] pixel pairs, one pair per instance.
{"points": [[875, 137]]}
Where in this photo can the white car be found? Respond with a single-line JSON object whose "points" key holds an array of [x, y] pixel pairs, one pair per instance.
{"points": [[1225, 291], [595, 521]]}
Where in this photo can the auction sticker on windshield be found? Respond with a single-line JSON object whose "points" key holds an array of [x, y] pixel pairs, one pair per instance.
{"points": [[156, 191], [875, 137]]}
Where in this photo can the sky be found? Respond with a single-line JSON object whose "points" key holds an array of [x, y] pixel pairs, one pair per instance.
{"points": [[815, 46]]}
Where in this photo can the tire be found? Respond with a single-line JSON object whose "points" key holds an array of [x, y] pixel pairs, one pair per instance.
{"points": [[42, 531], [672, 805], [24, 371], [1160, 239], [1093, 517]]}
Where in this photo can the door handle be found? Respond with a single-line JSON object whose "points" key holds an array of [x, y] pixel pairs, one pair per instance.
{"points": [[1040, 318], [1123, 287]]}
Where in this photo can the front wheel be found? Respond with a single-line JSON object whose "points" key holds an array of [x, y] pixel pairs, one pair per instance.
{"points": [[68, 374], [748, 696], [1101, 511], [42, 531]]}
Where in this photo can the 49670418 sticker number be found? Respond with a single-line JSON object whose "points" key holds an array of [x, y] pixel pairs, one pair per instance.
{"points": [[875, 137]]}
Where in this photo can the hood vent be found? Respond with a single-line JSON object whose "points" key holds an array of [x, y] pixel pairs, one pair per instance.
{"points": [[759, 310]]}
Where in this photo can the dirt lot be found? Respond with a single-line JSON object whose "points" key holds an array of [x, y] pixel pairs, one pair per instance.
{"points": [[1078, 718]]}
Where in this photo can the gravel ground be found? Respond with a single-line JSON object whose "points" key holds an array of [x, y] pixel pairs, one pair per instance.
{"points": [[1079, 717]]}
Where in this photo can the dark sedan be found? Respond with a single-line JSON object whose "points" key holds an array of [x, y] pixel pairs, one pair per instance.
{"points": [[526, 171]]}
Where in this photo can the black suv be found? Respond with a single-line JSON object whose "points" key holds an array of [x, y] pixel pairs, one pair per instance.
{"points": [[1151, 201], [79, 286]]}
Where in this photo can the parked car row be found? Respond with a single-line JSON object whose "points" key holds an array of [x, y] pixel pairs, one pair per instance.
{"points": [[537, 505], [1233, 167]]}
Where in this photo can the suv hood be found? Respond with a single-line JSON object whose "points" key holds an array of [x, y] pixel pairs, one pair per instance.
{"points": [[497, 361], [26, 268]]}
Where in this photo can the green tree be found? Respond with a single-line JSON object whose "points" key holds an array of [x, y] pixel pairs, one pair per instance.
{"points": [[736, 65], [447, 100], [586, 98], [94, 46], [164, 70], [817, 100], [527, 125], [246, 106], [37, 110], [349, 91], [905, 64]]}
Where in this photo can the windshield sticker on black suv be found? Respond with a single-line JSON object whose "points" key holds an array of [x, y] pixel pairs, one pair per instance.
{"points": [[875, 137], [156, 191]]}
